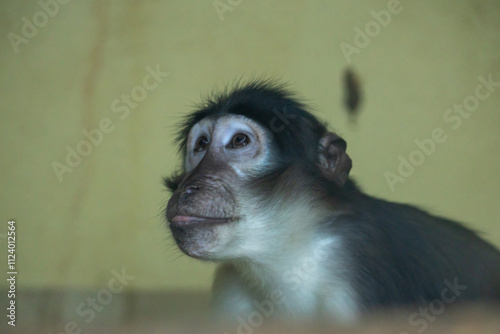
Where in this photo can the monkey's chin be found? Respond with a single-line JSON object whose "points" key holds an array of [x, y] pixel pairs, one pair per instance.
{"points": [[199, 237]]}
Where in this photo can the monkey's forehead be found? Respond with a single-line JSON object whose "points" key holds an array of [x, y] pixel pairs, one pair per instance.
{"points": [[226, 121]]}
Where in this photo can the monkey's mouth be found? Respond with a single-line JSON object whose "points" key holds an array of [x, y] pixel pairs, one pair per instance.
{"points": [[195, 220], [198, 236]]}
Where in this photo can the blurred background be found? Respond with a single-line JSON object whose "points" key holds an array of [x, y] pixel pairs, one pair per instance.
{"points": [[92, 91]]}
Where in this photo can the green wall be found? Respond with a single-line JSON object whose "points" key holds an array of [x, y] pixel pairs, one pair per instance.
{"points": [[68, 75]]}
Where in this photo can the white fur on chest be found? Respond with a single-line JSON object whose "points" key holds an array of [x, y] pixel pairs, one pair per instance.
{"points": [[301, 284]]}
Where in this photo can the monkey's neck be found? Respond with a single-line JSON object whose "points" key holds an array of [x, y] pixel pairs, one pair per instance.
{"points": [[298, 274]]}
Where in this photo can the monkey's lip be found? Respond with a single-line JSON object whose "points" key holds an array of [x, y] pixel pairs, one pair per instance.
{"points": [[188, 220]]}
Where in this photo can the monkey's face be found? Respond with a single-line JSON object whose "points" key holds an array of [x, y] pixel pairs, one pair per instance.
{"points": [[205, 212]]}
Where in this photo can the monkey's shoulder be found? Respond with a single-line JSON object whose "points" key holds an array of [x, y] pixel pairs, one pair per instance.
{"points": [[393, 243]]}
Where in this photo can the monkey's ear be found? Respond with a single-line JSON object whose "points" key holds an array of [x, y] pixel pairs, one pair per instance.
{"points": [[334, 162]]}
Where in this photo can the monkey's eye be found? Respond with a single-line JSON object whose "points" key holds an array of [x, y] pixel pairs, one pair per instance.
{"points": [[202, 144], [239, 140]]}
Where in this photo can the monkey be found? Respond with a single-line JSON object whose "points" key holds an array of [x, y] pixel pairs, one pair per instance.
{"points": [[264, 192]]}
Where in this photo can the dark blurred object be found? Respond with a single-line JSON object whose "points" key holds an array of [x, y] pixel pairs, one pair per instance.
{"points": [[352, 94]]}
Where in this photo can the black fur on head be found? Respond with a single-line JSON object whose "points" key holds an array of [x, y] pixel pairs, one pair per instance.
{"points": [[296, 132], [274, 107]]}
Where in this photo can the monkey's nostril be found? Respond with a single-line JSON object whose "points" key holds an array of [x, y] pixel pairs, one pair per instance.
{"points": [[191, 189]]}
